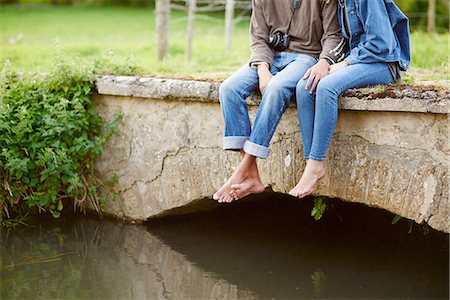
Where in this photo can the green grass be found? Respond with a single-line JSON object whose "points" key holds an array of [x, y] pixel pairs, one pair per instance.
{"points": [[122, 41], [430, 56]]}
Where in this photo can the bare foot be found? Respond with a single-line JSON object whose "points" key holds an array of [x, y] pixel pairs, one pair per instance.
{"points": [[314, 171], [239, 175], [251, 185], [223, 194]]}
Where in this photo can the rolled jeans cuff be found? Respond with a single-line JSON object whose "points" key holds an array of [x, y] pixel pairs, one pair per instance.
{"points": [[256, 150], [316, 157], [234, 142]]}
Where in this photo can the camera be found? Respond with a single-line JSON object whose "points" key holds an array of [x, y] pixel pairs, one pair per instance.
{"points": [[279, 41]]}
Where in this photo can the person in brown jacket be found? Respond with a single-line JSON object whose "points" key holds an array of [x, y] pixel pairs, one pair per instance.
{"points": [[288, 39]]}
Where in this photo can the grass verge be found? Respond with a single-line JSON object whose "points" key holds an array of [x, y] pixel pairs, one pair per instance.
{"points": [[121, 41]]}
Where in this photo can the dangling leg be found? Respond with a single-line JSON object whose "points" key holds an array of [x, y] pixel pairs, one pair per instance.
{"points": [[232, 94], [326, 113], [306, 110]]}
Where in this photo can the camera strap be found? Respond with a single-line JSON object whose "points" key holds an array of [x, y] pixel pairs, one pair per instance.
{"points": [[296, 4]]}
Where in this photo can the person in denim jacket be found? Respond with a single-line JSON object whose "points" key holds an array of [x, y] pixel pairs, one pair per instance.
{"points": [[377, 34]]}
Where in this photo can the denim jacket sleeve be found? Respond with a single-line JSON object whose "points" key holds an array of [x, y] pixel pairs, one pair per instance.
{"points": [[378, 42]]}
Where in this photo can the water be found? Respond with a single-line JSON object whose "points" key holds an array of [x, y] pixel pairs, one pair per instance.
{"points": [[265, 248]]}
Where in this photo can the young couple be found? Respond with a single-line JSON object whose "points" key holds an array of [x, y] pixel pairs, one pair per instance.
{"points": [[315, 50]]}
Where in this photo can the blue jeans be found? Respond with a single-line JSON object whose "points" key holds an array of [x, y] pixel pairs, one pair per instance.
{"points": [[287, 69], [317, 113]]}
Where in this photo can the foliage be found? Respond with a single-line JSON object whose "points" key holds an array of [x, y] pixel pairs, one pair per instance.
{"points": [[416, 10], [397, 218], [41, 250], [319, 207], [49, 135], [14, 222], [108, 64]]}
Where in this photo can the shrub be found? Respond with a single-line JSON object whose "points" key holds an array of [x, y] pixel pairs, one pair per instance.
{"points": [[49, 136]]}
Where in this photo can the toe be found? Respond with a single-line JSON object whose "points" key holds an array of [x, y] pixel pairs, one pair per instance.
{"points": [[302, 194], [222, 197], [227, 199]]}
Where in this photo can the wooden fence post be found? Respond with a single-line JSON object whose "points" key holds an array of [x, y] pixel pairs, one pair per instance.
{"points": [[162, 11], [431, 22], [229, 14], [190, 30]]}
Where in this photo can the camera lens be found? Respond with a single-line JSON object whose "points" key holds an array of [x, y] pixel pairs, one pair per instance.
{"points": [[278, 41]]}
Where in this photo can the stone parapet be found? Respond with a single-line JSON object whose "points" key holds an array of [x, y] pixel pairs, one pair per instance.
{"points": [[390, 148], [392, 98]]}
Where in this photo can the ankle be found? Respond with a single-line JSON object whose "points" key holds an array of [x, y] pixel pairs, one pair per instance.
{"points": [[247, 164], [241, 173], [315, 166]]}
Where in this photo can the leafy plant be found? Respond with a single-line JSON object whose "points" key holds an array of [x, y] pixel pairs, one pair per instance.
{"points": [[49, 136], [108, 64], [13, 222], [319, 207], [397, 218]]}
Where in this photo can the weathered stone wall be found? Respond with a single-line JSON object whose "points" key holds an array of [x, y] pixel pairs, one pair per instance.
{"points": [[390, 148]]}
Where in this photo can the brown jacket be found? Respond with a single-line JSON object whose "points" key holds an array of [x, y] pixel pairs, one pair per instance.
{"points": [[314, 28]]}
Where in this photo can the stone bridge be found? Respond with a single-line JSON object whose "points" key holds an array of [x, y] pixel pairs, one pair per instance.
{"points": [[390, 149]]}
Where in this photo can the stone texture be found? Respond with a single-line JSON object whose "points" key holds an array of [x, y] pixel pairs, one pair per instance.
{"points": [[392, 98], [385, 153], [432, 99], [157, 88]]}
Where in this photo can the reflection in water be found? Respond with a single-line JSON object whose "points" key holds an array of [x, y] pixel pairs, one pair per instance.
{"points": [[258, 248], [317, 278], [101, 260], [274, 248]]}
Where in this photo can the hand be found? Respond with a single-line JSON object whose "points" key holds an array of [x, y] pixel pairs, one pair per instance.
{"points": [[315, 74], [338, 66], [264, 77]]}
